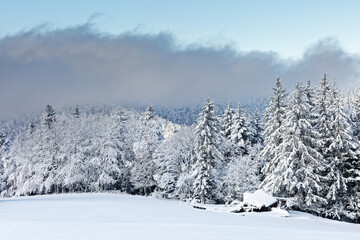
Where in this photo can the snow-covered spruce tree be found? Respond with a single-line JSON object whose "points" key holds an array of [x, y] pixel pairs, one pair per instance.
{"points": [[242, 175], [209, 154], [310, 95], [323, 115], [3, 150], [149, 114], [147, 139], [14, 160], [273, 119], [49, 116], [341, 177], [172, 158], [26, 163], [311, 101], [353, 167], [355, 117], [257, 141], [110, 153], [76, 112], [73, 174], [239, 133], [184, 185], [297, 173], [47, 161], [2, 139], [125, 147], [242, 170], [94, 128], [227, 122], [32, 127], [228, 115], [256, 129]]}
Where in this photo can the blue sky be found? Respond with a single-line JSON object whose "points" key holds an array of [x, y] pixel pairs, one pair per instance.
{"points": [[287, 27]]}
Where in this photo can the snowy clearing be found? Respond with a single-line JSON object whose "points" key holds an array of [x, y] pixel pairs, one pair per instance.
{"points": [[118, 216]]}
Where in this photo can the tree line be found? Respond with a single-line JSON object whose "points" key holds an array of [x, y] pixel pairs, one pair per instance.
{"points": [[305, 149]]}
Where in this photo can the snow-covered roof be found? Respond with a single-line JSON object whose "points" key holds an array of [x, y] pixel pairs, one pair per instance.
{"points": [[259, 199]]}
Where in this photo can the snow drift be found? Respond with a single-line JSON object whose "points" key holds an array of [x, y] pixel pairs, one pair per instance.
{"points": [[117, 216]]}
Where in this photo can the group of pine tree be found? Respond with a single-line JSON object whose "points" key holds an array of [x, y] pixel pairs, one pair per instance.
{"points": [[305, 149]]}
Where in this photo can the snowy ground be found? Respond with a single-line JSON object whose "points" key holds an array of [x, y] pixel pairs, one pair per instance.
{"points": [[116, 216]]}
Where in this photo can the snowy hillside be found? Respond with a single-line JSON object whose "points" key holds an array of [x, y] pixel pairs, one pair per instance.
{"points": [[117, 216]]}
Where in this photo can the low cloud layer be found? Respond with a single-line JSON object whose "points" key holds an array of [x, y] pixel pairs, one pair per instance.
{"points": [[80, 66]]}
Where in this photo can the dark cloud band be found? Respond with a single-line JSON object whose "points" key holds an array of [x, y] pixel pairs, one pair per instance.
{"points": [[79, 65]]}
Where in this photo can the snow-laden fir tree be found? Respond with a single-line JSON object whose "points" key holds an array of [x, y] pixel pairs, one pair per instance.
{"points": [[241, 175], [341, 177], [257, 141], [173, 159], [125, 147], [240, 166], [3, 149], [311, 101], [227, 122], [184, 186], [323, 115], [209, 154], [297, 173], [353, 167], [273, 119], [256, 129], [2, 139], [48, 156], [32, 127], [49, 116], [74, 174], [110, 154], [149, 114], [310, 95], [148, 138], [228, 115], [76, 112], [14, 161], [355, 117], [239, 133]]}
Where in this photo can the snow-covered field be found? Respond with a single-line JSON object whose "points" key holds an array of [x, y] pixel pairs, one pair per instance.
{"points": [[117, 216]]}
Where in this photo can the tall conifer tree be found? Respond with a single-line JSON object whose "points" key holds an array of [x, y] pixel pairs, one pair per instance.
{"points": [[209, 155], [274, 117]]}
